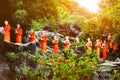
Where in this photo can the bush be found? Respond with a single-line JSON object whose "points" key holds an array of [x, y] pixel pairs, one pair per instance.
{"points": [[62, 66]]}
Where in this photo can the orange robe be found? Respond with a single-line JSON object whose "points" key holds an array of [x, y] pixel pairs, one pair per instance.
{"points": [[109, 38], [7, 33], [32, 37], [55, 42], [43, 43], [110, 41], [67, 45], [110, 44], [98, 46], [100, 42], [115, 47], [105, 51], [89, 46], [19, 35]]}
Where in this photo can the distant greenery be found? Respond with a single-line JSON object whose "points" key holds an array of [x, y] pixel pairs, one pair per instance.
{"points": [[39, 13], [44, 12]]}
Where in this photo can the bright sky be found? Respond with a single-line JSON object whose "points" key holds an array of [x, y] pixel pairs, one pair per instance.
{"points": [[91, 5]]}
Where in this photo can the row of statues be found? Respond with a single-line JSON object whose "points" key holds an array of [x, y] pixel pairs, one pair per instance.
{"points": [[32, 38], [105, 46], [43, 43], [18, 33], [102, 47]]}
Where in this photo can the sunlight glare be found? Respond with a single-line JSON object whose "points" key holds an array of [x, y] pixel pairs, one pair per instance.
{"points": [[91, 5]]}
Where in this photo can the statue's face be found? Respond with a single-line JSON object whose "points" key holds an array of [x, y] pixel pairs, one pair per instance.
{"points": [[88, 39], [97, 40], [43, 33], [6, 22], [31, 30], [55, 37], [109, 34], [67, 37], [18, 25], [104, 41]]}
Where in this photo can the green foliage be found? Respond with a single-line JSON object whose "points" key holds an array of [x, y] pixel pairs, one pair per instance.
{"points": [[116, 38], [74, 18], [19, 3], [81, 43], [21, 15], [74, 68], [36, 25], [109, 15], [117, 75], [51, 12], [33, 74], [41, 12], [12, 56], [30, 56], [62, 66]]}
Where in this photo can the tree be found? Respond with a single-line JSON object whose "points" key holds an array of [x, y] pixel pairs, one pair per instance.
{"points": [[109, 15]]}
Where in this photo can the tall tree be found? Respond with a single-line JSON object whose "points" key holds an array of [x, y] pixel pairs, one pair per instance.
{"points": [[109, 15]]}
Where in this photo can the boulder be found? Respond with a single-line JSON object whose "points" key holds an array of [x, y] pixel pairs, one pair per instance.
{"points": [[13, 47], [71, 30], [48, 28], [79, 50], [75, 29]]}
